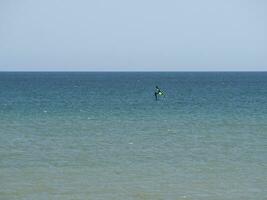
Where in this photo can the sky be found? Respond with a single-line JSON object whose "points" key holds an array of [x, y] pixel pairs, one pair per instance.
{"points": [[133, 35]]}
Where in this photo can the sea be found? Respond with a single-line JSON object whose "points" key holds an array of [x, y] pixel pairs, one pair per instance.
{"points": [[102, 135]]}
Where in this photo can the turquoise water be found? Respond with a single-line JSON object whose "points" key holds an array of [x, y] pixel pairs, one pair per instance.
{"points": [[103, 136]]}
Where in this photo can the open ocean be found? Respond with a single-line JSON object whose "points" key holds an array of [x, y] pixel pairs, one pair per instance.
{"points": [[80, 136]]}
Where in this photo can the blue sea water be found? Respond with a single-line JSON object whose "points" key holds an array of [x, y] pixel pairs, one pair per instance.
{"points": [[77, 136]]}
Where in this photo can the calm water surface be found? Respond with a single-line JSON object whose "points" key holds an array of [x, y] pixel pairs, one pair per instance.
{"points": [[103, 136]]}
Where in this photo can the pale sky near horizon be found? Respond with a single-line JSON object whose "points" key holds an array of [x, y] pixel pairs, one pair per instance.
{"points": [[136, 35]]}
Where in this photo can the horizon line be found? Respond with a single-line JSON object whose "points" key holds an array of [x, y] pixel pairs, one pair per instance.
{"points": [[121, 71]]}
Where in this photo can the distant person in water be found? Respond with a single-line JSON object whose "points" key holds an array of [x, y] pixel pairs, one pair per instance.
{"points": [[158, 92]]}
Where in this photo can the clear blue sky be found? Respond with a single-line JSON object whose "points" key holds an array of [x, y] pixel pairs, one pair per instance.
{"points": [[135, 35]]}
